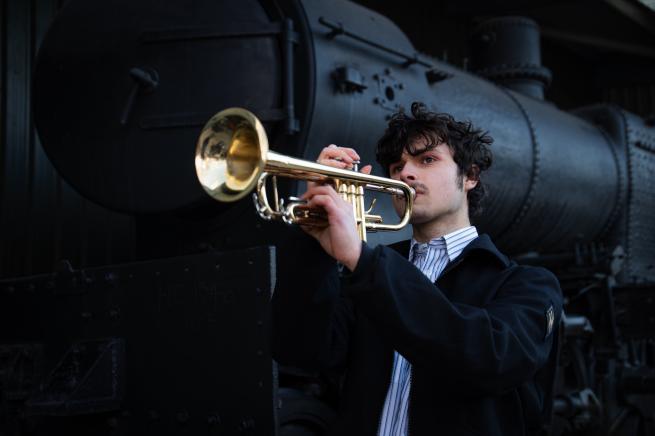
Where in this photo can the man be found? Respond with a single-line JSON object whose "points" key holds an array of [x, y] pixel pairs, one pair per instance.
{"points": [[440, 335]]}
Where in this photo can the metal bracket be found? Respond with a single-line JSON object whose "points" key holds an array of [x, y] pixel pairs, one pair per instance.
{"points": [[348, 80]]}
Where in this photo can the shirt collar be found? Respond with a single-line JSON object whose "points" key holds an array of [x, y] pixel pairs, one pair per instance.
{"points": [[453, 242]]}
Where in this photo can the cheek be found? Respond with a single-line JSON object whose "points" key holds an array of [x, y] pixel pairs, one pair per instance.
{"points": [[446, 181], [398, 204]]}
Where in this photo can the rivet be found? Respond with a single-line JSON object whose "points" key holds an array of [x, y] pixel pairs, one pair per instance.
{"points": [[114, 313], [112, 422], [247, 424], [182, 416]]}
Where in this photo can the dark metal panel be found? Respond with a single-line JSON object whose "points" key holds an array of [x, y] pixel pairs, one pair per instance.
{"points": [[168, 347], [45, 181], [120, 100], [16, 162], [42, 219], [576, 171], [641, 213]]}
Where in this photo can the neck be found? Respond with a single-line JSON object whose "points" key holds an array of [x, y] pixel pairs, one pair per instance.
{"points": [[424, 232]]}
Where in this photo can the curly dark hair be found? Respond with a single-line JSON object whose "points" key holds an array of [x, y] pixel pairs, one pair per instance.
{"points": [[469, 145]]}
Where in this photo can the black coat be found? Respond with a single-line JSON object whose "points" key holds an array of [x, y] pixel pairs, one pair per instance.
{"points": [[478, 340]]}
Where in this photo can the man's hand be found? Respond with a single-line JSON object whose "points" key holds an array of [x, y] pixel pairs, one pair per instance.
{"points": [[338, 157], [340, 238], [341, 157]]}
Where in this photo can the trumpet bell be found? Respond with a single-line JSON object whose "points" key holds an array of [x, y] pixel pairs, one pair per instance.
{"points": [[230, 154]]}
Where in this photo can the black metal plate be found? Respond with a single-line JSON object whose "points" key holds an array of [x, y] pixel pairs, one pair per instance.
{"points": [[195, 331]]}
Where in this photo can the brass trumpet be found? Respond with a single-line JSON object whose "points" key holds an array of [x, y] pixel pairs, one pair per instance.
{"points": [[232, 158]]}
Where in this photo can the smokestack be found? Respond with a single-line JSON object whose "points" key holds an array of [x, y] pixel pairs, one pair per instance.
{"points": [[506, 50]]}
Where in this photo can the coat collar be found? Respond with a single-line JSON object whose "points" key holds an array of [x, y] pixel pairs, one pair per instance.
{"points": [[482, 245]]}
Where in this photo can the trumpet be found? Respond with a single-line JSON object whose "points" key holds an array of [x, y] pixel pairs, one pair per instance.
{"points": [[232, 159]]}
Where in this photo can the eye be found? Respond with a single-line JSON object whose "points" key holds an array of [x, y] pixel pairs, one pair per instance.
{"points": [[395, 169], [429, 159]]}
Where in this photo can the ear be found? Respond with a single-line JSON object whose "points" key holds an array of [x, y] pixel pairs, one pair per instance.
{"points": [[472, 178]]}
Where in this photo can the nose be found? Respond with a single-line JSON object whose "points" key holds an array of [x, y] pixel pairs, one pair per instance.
{"points": [[407, 174]]}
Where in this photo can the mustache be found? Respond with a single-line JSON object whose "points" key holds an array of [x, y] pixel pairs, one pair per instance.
{"points": [[420, 188]]}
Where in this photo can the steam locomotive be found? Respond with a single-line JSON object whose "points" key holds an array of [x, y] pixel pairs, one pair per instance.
{"points": [[176, 342]]}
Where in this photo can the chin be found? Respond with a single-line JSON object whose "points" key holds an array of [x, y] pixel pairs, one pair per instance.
{"points": [[417, 218]]}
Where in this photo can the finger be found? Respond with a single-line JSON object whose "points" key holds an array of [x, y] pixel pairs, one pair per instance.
{"points": [[321, 190], [351, 152], [366, 169], [346, 154], [335, 153], [325, 202], [317, 196], [332, 162], [332, 150], [314, 232], [315, 189], [337, 210]]}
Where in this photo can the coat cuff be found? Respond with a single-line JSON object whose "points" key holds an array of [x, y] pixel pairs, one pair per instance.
{"points": [[364, 268]]}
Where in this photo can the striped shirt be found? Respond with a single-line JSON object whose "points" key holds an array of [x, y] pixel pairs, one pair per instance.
{"points": [[431, 258]]}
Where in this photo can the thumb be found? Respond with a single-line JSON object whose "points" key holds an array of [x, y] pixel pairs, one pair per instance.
{"points": [[366, 169]]}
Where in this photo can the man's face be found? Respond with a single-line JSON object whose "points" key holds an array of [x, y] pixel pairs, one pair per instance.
{"points": [[440, 190]]}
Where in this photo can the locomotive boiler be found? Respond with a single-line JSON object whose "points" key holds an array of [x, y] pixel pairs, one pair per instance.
{"points": [[121, 90]]}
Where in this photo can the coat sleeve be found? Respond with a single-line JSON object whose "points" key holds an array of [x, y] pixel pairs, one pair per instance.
{"points": [[482, 349], [311, 320]]}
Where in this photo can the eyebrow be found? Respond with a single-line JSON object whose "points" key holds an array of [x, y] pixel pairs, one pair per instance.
{"points": [[438, 149], [406, 155]]}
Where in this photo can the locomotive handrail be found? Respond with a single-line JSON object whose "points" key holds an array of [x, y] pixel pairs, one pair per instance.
{"points": [[339, 29]]}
